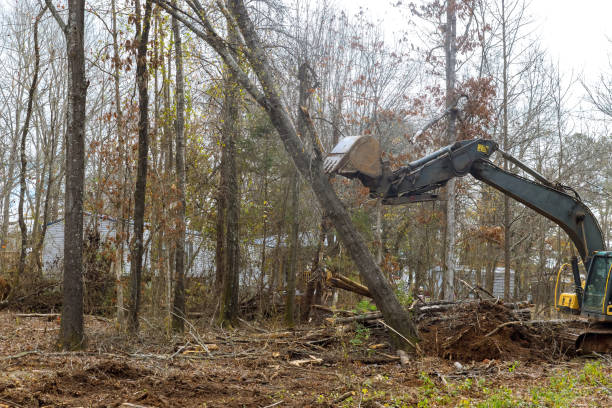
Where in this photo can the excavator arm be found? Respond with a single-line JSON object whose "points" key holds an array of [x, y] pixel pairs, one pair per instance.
{"points": [[417, 179], [565, 210], [358, 157]]}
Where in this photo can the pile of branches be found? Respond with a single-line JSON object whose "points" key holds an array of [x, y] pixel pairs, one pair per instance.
{"points": [[472, 330]]}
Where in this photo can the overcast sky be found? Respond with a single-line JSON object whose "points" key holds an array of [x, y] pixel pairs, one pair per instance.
{"points": [[574, 31]]}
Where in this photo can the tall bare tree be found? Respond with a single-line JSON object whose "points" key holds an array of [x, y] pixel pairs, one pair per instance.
{"points": [[178, 315], [450, 51], [71, 329], [231, 245], [141, 39], [22, 150]]}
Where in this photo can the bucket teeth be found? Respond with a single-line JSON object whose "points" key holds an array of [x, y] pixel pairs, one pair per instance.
{"points": [[331, 163]]}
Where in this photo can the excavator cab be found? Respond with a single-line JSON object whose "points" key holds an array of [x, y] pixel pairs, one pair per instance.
{"points": [[597, 301], [591, 297]]}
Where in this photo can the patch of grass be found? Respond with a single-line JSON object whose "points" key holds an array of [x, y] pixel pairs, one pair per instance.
{"points": [[362, 334], [500, 398], [592, 374], [560, 391], [365, 306]]}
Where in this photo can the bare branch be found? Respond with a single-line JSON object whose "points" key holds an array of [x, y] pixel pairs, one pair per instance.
{"points": [[63, 26]]}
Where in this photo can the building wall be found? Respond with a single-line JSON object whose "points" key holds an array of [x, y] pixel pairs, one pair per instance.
{"points": [[53, 248]]}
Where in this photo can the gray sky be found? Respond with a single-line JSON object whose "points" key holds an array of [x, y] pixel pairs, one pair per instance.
{"points": [[574, 32]]}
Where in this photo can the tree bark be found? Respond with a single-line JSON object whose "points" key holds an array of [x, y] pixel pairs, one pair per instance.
{"points": [[71, 328], [450, 48], [178, 315], [229, 304], [142, 79], [120, 235], [22, 150], [507, 218]]}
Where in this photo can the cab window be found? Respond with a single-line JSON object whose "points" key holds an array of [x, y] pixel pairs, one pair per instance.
{"points": [[596, 285]]}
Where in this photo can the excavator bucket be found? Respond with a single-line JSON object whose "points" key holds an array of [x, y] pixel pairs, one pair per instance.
{"points": [[354, 155]]}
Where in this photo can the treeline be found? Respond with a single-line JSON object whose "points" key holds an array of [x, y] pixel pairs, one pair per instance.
{"points": [[187, 129]]}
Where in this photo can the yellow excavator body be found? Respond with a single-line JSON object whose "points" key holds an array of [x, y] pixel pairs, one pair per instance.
{"points": [[568, 303]]}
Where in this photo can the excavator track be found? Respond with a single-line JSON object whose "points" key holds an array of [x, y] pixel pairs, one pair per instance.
{"points": [[588, 338], [597, 338]]}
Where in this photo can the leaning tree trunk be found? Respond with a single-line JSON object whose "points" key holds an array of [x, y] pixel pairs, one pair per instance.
{"points": [[310, 168], [142, 80]]}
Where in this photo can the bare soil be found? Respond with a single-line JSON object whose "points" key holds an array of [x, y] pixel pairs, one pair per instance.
{"points": [[488, 330], [256, 366]]}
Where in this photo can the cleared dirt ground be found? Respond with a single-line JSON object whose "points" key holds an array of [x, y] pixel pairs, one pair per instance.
{"points": [[314, 366]]}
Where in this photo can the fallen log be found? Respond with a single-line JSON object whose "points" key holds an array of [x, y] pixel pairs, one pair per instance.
{"points": [[439, 307], [44, 315], [333, 310], [360, 318], [342, 282]]}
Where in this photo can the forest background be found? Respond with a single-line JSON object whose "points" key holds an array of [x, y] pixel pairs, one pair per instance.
{"points": [[225, 175]]}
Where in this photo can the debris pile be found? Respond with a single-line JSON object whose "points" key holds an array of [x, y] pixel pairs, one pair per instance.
{"points": [[482, 330]]}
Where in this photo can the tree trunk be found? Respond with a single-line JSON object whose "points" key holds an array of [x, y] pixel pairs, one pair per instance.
{"points": [[46, 205], [507, 219], [303, 94], [262, 268], [142, 79], [295, 243], [229, 303], [22, 150], [6, 202], [450, 48], [120, 235], [71, 329], [221, 203], [178, 315]]}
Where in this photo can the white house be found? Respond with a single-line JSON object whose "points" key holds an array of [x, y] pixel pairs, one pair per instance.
{"points": [[199, 259], [434, 275]]}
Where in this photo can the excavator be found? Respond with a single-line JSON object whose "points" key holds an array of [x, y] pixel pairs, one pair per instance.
{"points": [[359, 157]]}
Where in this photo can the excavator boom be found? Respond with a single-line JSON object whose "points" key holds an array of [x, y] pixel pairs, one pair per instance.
{"points": [[470, 157]]}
